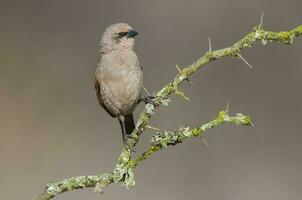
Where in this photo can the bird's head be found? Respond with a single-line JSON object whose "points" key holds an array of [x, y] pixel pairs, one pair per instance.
{"points": [[120, 35]]}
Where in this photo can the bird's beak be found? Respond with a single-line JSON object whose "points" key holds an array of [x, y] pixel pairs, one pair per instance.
{"points": [[132, 34]]}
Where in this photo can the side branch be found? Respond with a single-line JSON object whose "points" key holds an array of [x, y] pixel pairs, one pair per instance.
{"points": [[258, 34], [171, 138]]}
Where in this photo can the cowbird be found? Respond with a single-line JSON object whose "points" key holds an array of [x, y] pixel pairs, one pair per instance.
{"points": [[118, 76]]}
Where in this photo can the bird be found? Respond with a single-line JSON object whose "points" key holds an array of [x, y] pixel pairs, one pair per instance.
{"points": [[118, 78]]}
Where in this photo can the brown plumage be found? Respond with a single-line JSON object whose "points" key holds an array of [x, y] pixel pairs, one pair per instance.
{"points": [[118, 76]]}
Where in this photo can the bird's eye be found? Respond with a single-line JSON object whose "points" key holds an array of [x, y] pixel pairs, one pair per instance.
{"points": [[122, 34]]}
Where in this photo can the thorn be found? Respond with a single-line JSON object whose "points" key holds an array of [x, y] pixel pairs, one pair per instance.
{"points": [[181, 94], [248, 64], [205, 142], [261, 20], [153, 128], [178, 69], [252, 124], [227, 109], [210, 45], [187, 79], [145, 89]]}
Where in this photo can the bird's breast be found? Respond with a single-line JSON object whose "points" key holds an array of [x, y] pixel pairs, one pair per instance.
{"points": [[121, 83]]}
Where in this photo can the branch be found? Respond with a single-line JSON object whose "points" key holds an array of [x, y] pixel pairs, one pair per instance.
{"points": [[123, 171], [171, 138]]}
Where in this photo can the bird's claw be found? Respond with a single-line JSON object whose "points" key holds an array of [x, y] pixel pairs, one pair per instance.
{"points": [[149, 99]]}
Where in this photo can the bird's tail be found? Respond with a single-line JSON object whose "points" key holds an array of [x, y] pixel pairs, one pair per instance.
{"points": [[127, 125]]}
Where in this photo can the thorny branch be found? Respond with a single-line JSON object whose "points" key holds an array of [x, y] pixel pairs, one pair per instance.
{"points": [[123, 171]]}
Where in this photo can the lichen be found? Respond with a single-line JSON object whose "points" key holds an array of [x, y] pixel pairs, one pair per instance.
{"points": [[165, 101], [150, 108]]}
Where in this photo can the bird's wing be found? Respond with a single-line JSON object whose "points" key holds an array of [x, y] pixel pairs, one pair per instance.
{"points": [[97, 87]]}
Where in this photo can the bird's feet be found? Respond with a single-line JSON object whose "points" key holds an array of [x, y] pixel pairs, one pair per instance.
{"points": [[149, 99]]}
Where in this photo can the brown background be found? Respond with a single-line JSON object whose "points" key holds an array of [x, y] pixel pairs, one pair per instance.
{"points": [[51, 126]]}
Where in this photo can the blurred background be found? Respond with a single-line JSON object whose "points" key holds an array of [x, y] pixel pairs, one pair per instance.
{"points": [[51, 126]]}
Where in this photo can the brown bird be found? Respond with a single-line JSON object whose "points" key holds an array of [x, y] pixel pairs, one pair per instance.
{"points": [[118, 75]]}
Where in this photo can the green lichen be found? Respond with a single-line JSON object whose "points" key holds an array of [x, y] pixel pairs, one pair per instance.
{"points": [[53, 189], [150, 108], [221, 116], [297, 31], [129, 181], [99, 188], [165, 101], [285, 37]]}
